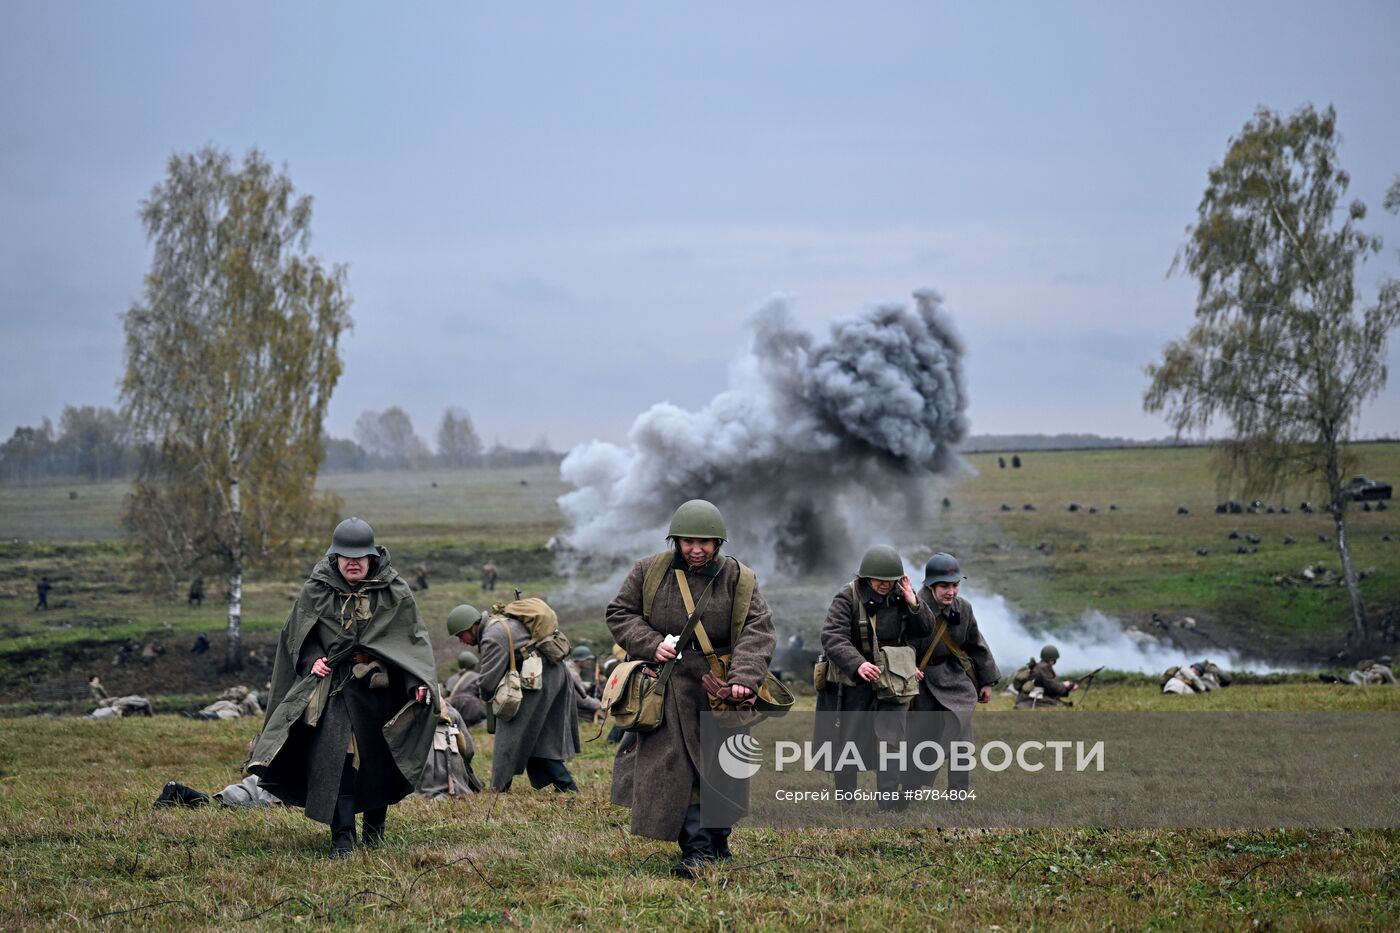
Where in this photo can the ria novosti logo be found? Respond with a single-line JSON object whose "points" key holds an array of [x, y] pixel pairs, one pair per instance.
{"points": [[740, 756]]}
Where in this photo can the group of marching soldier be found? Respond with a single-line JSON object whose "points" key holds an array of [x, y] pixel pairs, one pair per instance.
{"points": [[356, 720]]}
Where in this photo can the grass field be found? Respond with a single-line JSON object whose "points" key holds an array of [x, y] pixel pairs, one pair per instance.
{"points": [[1052, 564], [80, 846]]}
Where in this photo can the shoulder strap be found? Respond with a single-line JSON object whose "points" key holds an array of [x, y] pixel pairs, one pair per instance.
{"points": [[743, 595], [505, 623], [866, 620], [656, 571], [690, 625], [941, 635], [700, 634]]}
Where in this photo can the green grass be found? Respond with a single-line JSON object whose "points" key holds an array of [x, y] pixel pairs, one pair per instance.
{"points": [[1141, 558], [81, 848]]}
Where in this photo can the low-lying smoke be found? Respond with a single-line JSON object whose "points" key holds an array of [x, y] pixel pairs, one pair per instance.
{"points": [[814, 445]]}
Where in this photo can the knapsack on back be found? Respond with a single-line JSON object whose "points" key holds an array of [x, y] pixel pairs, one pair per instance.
{"points": [[1022, 677], [543, 624]]}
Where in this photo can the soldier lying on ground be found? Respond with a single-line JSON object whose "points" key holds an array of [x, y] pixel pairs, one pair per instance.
{"points": [[235, 703], [130, 705]]}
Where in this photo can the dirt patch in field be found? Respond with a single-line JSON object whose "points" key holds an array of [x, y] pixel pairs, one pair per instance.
{"points": [[60, 674]]}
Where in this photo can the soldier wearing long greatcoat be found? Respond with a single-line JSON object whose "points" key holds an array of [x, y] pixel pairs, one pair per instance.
{"points": [[960, 671], [657, 774]]}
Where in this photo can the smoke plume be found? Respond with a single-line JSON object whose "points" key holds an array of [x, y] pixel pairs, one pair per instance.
{"points": [[812, 447]]}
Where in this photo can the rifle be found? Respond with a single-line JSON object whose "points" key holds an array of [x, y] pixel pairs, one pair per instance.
{"points": [[1087, 681]]}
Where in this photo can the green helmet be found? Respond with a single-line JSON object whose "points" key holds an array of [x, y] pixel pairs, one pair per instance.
{"points": [[1049, 653], [697, 519], [881, 562], [462, 618], [581, 653], [942, 568], [352, 538], [467, 660], [608, 666]]}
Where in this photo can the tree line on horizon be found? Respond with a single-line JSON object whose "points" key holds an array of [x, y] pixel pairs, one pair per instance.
{"points": [[96, 443]]}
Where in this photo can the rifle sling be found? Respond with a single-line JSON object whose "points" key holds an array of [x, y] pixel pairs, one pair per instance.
{"points": [[701, 636], [689, 629]]}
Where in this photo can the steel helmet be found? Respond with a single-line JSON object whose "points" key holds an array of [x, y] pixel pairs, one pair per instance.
{"points": [[352, 538], [581, 653], [881, 562], [1049, 653], [942, 568], [462, 618], [467, 660], [697, 519]]}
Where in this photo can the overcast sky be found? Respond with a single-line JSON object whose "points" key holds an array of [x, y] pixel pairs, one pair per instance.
{"points": [[556, 215]]}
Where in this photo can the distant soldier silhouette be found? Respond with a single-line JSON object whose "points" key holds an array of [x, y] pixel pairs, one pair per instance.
{"points": [[1001, 462], [1016, 461], [195, 597], [42, 590], [420, 577], [201, 644], [488, 577]]}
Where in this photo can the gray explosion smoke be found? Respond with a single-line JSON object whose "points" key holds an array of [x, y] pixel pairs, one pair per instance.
{"points": [[813, 447]]}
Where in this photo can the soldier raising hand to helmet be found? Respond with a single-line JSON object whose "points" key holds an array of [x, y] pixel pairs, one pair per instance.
{"points": [[956, 668], [871, 626]]}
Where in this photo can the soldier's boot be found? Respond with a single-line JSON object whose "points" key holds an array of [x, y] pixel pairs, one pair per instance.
{"points": [[343, 827], [694, 841], [372, 834], [719, 844], [543, 772], [175, 794]]}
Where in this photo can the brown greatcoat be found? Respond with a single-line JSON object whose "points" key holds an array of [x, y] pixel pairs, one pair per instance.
{"points": [[657, 774], [1043, 676], [847, 645]]}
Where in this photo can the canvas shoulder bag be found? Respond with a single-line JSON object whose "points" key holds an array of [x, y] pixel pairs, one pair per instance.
{"points": [[505, 702], [899, 672]]}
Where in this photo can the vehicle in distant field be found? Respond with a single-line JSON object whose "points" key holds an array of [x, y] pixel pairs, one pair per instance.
{"points": [[1362, 489]]}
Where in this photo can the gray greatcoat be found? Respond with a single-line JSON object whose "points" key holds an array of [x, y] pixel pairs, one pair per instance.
{"points": [[462, 696], [942, 712], [657, 774], [545, 726], [301, 763]]}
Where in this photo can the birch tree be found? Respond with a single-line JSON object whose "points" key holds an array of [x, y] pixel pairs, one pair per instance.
{"points": [[1284, 348], [231, 357]]}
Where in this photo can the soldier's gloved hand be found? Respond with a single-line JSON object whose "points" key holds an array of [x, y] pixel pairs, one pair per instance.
{"points": [[320, 668], [867, 671]]}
